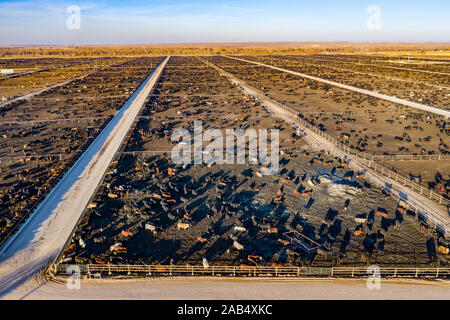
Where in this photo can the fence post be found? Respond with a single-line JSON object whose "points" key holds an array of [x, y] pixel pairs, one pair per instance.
{"points": [[332, 271], [395, 272]]}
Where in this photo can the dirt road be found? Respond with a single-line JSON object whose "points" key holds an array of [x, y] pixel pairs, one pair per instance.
{"points": [[209, 288]]}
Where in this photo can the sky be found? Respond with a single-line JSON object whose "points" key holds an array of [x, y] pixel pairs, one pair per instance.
{"points": [[188, 21]]}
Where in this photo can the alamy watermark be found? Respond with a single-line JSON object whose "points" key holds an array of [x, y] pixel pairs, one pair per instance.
{"points": [[73, 281], [235, 144], [73, 22], [374, 279], [373, 21]]}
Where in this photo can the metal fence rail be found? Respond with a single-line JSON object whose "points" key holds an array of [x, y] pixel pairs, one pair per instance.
{"points": [[411, 184], [235, 271], [410, 157]]}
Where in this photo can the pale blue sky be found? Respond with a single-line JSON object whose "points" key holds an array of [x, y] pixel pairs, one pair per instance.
{"points": [[137, 22]]}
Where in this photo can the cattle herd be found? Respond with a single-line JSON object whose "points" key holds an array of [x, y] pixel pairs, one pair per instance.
{"points": [[364, 123], [314, 211]]}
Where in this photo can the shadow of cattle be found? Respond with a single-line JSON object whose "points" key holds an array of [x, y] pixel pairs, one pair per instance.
{"points": [[331, 214], [431, 249]]}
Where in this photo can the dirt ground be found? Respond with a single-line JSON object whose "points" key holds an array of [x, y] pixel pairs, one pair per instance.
{"points": [[431, 86], [237, 289], [230, 211], [17, 86]]}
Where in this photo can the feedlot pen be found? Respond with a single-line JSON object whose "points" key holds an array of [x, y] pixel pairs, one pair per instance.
{"points": [[151, 212]]}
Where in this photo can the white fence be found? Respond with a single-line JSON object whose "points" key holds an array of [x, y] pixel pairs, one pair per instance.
{"points": [[261, 271]]}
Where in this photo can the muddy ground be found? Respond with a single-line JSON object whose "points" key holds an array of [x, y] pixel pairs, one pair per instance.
{"points": [[151, 211]]}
